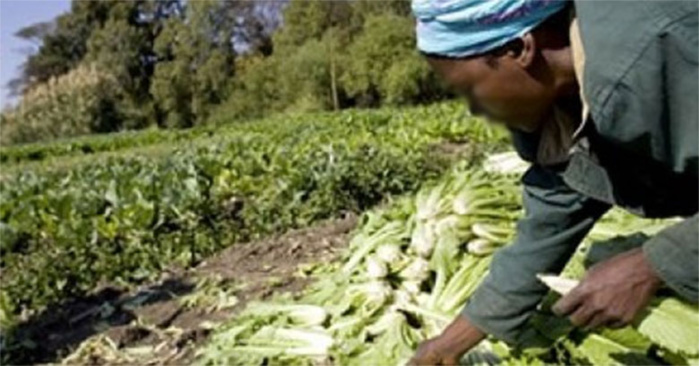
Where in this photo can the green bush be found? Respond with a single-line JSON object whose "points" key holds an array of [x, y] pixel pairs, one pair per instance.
{"points": [[83, 101]]}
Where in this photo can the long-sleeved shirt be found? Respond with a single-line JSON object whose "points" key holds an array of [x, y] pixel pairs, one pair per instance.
{"points": [[636, 147]]}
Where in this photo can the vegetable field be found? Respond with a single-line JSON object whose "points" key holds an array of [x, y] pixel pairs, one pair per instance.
{"points": [[435, 198], [122, 216]]}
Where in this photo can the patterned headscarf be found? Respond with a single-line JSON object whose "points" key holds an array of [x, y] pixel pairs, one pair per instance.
{"points": [[460, 28]]}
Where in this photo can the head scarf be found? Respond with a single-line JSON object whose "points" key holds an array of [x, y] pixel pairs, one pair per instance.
{"points": [[460, 28]]}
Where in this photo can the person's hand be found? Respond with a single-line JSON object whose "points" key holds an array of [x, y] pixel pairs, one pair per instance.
{"points": [[435, 352], [447, 348], [612, 293]]}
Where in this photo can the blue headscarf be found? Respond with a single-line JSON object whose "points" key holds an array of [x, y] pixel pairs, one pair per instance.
{"points": [[460, 28]]}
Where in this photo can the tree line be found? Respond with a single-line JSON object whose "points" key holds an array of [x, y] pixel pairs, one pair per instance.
{"points": [[113, 65]]}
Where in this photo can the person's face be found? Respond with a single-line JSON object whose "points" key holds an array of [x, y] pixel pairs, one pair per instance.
{"points": [[506, 90]]}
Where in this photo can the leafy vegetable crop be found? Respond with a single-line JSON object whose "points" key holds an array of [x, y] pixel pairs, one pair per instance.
{"points": [[125, 218]]}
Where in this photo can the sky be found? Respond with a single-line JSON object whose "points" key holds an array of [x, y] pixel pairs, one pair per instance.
{"points": [[14, 15]]}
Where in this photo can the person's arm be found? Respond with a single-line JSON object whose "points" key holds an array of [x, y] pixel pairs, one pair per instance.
{"points": [[556, 220]]}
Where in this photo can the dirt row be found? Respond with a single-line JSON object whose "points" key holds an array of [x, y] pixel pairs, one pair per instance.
{"points": [[162, 323]]}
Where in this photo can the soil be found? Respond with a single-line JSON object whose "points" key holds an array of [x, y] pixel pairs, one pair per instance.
{"points": [[162, 323]]}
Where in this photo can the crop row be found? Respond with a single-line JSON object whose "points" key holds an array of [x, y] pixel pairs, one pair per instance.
{"points": [[125, 218], [86, 145]]}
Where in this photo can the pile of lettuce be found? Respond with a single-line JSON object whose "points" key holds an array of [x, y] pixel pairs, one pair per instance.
{"points": [[412, 266]]}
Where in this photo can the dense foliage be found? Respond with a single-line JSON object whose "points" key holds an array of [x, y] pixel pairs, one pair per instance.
{"points": [[180, 64], [77, 103], [128, 217], [335, 54]]}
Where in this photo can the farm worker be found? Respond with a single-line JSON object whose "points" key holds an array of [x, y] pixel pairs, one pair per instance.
{"points": [[601, 97]]}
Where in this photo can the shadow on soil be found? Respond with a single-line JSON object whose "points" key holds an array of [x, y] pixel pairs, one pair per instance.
{"points": [[141, 317], [57, 330]]}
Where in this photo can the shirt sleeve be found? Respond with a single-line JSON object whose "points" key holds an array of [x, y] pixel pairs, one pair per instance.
{"points": [[674, 255], [556, 220]]}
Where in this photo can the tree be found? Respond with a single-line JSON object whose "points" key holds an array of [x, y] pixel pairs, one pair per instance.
{"points": [[63, 45], [309, 20], [79, 102], [196, 59], [123, 46], [332, 55], [176, 60], [384, 66]]}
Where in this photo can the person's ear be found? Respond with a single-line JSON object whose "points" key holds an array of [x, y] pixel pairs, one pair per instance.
{"points": [[524, 50]]}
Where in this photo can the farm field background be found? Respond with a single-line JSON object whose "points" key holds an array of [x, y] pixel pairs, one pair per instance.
{"points": [[155, 248]]}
